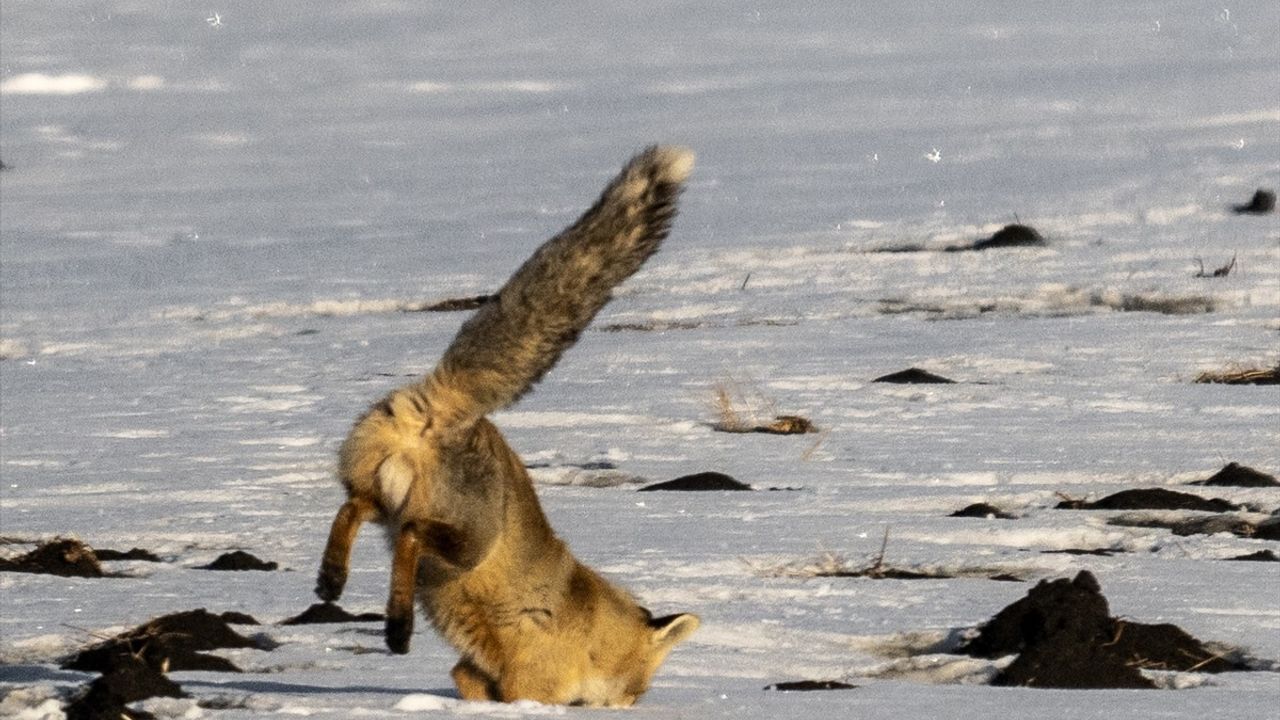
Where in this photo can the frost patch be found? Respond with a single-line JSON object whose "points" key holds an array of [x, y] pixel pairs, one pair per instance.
{"points": [[41, 84], [13, 349], [421, 702], [134, 434]]}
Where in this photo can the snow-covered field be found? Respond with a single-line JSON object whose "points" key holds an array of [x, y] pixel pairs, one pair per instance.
{"points": [[214, 214]]}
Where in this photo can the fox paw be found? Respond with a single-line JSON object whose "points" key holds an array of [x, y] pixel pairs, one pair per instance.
{"points": [[330, 583], [398, 631]]}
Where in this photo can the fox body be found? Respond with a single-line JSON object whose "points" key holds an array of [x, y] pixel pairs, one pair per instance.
{"points": [[467, 534]]}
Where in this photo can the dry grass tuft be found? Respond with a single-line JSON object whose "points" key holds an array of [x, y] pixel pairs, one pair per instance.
{"points": [[1242, 376], [733, 412], [825, 564], [738, 410]]}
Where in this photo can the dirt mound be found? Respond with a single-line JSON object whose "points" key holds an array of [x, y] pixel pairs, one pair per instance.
{"points": [[133, 664], [130, 679], [1262, 202], [1009, 236], [1150, 499], [808, 685], [1101, 552], [913, 376], [169, 642], [982, 510], [698, 482], [132, 554], [1260, 556], [453, 304], [60, 556], [238, 560], [1268, 529], [239, 618], [327, 612], [1237, 475], [1065, 637]]}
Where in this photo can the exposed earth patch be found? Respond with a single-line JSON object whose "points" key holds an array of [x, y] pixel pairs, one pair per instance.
{"points": [[327, 612], [1237, 475], [1065, 637], [238, 560], [913, 376], [702, 481], [1151, 499]]}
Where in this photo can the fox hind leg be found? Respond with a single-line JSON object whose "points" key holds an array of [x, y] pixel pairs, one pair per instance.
{"points": [[404, 569], [337, 553]]}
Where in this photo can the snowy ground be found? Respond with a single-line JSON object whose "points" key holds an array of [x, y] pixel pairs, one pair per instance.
{"points": [[214, 214]]}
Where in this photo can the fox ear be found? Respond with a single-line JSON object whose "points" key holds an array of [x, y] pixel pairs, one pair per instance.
{"points": [[669, 630]]}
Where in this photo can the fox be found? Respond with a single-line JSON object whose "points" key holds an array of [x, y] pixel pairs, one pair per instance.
{"points": [[467, 535]]}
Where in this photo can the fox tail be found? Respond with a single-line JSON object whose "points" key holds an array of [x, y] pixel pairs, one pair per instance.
{"points": [[516, 337]]}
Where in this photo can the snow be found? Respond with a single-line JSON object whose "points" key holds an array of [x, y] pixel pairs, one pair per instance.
{"points": [[212, 224]]}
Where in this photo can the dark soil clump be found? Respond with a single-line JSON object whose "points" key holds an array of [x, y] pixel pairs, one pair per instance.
{"points": [[1268, 529], [702, 481], [328, 612], [1260, 556], [1237, 475], [808, 685], [1150, 499], [128, 680], [1100, 552], [62, 556], [883, 572], [913, 376], [1262, 202], [169, 642], [982, 510], [1065, 637], [238, 618], [238, 560], [455, 304], [133, 554], [1010, 236]]}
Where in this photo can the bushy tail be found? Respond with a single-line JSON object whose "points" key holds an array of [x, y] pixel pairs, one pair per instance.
{"points": [[515, 338]]}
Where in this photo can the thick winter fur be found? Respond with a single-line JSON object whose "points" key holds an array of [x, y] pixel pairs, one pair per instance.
{"points": [[467, 533]]}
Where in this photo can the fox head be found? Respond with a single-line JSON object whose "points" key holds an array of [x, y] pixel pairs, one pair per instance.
{"points": [[622, 655]]}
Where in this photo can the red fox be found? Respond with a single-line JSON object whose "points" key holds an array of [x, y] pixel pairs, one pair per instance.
{"points": [[466, 531]]}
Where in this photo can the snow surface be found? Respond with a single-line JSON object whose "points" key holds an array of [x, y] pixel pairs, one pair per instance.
{"points": [[215, 213]]}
